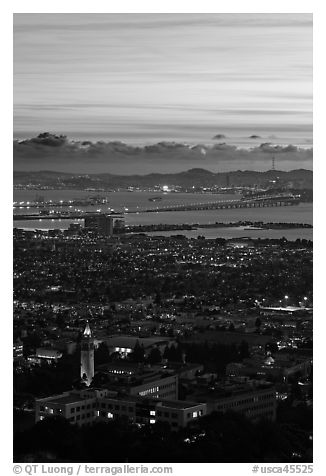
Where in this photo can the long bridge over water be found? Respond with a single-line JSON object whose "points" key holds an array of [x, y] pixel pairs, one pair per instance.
{"points": [[267, 201], [281, 200]]}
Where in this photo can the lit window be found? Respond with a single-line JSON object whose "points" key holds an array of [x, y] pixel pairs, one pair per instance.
{"points": [[110, 415], [194, 414], [152, 412], [152, 421], [41, 417]]}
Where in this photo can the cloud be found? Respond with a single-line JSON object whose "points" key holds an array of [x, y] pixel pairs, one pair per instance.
{"points": [[51, 152], [163, 147], [219, 136], [223, 146], [277, 149], [49, 140]]}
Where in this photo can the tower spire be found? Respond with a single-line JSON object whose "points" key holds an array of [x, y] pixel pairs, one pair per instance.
{"points": [[87, 330]]}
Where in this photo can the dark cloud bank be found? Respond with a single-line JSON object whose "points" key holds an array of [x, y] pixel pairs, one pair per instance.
{"points": [[51, 152]]}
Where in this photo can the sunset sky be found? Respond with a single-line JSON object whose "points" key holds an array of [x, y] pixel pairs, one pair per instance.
{"points": [[147, 77]]}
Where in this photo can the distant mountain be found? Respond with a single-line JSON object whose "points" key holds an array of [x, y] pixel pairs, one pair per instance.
{"points": [[196, 177]]}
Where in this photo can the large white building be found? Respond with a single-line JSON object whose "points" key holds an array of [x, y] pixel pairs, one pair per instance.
{"points": [[256, 400], [90, 405]]}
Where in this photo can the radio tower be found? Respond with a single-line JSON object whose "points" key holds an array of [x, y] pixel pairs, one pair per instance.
{"points": [[273, 163]]}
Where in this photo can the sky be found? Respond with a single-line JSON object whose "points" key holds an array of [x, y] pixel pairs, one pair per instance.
{"points": [[148, 78]]}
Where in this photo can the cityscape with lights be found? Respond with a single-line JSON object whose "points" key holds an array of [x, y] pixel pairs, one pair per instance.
{"points": [[161, 333], [162, 239]]}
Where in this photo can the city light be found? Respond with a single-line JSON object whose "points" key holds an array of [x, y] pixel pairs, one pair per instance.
{"points": [[163, 307]]}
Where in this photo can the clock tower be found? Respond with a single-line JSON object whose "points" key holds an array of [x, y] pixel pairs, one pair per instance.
{"points": [[87, 356]]}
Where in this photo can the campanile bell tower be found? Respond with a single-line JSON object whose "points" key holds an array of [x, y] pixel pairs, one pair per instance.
{"points": [[87, 356]]}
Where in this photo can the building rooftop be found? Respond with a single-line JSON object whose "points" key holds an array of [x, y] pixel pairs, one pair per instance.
{"points": [[64, 398], [48, 353], [79, 397], [228, 390], [126, 341], [181, 404], [121, 365]]}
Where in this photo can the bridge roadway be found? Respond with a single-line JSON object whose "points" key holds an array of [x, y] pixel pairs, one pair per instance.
{"points": [[272, 201]]}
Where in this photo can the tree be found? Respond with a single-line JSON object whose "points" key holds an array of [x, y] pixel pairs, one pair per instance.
{"points": [[174, 353], [100, 379], [155, 356], [166, 352], [138, 354], [102, 354]]}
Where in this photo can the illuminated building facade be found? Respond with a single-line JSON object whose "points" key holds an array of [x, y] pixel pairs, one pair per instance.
{"points": [[87, 406], [18, 349]]}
